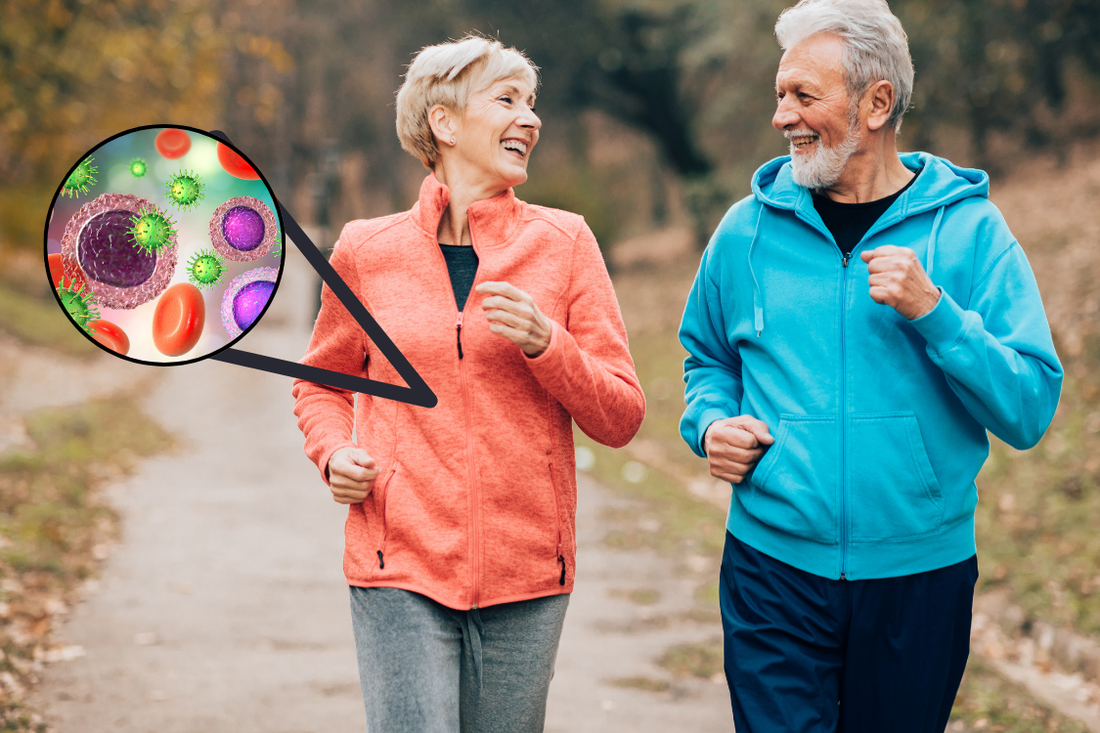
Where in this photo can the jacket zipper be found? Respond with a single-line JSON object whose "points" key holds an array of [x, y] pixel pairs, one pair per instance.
{"points": [[475, 539], [385, 526], [458, 335], [843, 420], [474, 503], [557, 518]]}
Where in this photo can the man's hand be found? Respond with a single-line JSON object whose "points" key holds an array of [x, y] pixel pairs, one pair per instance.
{"points": [[514, 315], [351, 475], [734, 445], [898, 279]]}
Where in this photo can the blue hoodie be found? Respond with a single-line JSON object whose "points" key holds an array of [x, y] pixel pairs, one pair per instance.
{"points": [[879, 422]]}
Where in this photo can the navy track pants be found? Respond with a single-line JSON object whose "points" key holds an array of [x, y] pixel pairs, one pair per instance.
{"points": [[805, 654]]}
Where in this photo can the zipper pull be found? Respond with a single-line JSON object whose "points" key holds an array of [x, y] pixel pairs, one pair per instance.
{"points": [[561, 559], [458, 335], [842, 576], [845, 260], [381, 562]]}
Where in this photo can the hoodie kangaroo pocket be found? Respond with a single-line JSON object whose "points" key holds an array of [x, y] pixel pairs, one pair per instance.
{"points": [[894, 492], [794, 487]]}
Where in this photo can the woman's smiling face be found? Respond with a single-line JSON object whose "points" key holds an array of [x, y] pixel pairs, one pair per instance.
{"points": [[498, 130]]}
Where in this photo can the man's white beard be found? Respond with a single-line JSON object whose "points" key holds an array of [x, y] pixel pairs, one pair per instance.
{"points": [[823, 167]]}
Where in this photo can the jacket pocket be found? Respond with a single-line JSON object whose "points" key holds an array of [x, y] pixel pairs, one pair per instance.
{"points": [[381, 494], [794, 487], [559, 550], [894, 492]]}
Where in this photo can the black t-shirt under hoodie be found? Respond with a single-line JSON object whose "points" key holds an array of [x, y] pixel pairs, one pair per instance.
{"points": [[849, 222]]}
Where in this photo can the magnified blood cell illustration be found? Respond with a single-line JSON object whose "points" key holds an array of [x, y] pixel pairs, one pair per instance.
{"points": [[246, 297], [99, 245], [110, 335], [178, 320], [173, 143], [235, 165], [163, 245], [243, 229]]}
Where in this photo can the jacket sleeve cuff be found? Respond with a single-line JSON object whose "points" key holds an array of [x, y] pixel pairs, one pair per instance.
{"points": [[551, 352], [943, 326], [322, 464]]}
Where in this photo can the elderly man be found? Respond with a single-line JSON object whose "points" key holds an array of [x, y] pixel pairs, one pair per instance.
{"points": [[857, 324]]}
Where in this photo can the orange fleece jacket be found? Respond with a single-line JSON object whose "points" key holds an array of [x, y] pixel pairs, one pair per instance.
{"points": [[475, 502]]}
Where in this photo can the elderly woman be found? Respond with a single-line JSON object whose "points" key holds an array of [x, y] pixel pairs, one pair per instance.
{"points": [[460, 539]]}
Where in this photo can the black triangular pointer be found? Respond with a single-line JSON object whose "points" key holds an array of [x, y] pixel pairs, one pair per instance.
{"points": [[417, 393]]}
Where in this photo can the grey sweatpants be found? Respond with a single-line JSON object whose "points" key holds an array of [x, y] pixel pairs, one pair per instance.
{"points": [[426, 668]]}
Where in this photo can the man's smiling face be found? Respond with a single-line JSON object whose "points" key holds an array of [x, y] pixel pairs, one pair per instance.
{"points": [[814, 112]]}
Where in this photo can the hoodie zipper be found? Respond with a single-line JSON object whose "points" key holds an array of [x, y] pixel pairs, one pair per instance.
{"points": [[843, 415]]}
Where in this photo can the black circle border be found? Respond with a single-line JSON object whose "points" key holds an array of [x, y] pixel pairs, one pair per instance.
{"points": [[204, 133]]}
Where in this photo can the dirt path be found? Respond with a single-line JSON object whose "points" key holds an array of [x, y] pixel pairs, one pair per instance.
{"points": [[224, 607]]}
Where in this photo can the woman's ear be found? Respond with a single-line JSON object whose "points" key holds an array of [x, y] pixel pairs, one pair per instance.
{"points": [[444, 125]]}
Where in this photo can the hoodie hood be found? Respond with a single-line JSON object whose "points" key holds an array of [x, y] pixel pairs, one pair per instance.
{"points": [[939, 184]]}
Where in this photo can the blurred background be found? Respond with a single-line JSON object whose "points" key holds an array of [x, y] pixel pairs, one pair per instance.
{"points": [[656, 113]]}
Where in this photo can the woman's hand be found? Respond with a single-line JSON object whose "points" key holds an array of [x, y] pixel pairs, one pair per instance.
{"points": [[513, 314], [351, 475]]}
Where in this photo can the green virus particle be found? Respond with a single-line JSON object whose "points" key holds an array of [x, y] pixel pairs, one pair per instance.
{"points": [[152, 229], [138, 168], [80, 179], [79, 303], [184, 189], [205, 269]]}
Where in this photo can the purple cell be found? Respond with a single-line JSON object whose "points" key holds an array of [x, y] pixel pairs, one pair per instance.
{"points": [[249, 302], [97, 248], [246, 297], [107, 252], [243, 228]]}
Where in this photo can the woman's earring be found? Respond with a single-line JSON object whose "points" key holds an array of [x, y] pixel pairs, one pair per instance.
{"points": [[453, 141]]}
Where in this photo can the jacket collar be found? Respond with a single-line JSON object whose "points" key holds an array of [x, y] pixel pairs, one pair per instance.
{"points": [[492, 221]]}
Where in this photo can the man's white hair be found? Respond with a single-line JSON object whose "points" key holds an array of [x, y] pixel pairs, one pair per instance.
{"points": [[445, 74], [875, 45]]}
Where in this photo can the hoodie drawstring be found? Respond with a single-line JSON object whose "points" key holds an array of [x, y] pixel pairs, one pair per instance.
{"points": [[757, 297], [932, 241]]}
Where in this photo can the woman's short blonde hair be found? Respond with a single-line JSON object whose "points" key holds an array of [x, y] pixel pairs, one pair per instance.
{"points": [[445, 74]]}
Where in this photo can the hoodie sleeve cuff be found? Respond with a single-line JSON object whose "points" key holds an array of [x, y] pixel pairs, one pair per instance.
{"points": [[706, 419], [943, 326]]}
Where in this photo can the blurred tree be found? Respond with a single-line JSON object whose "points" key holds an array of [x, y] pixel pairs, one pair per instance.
{"points": [[73, 73], [1026, 68]]}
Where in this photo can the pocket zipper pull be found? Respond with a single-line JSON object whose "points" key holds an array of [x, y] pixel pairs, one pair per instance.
{"points": [[381, 561], [561, 559]]}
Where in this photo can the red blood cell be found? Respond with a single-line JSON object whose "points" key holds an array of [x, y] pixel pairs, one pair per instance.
{"points": [[235, 165], [173, 143], [178, 319], [57, 271], [110, 335]]}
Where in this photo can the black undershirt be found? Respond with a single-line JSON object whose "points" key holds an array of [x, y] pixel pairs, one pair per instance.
{"points": [[462, 267], [849, 222]]}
